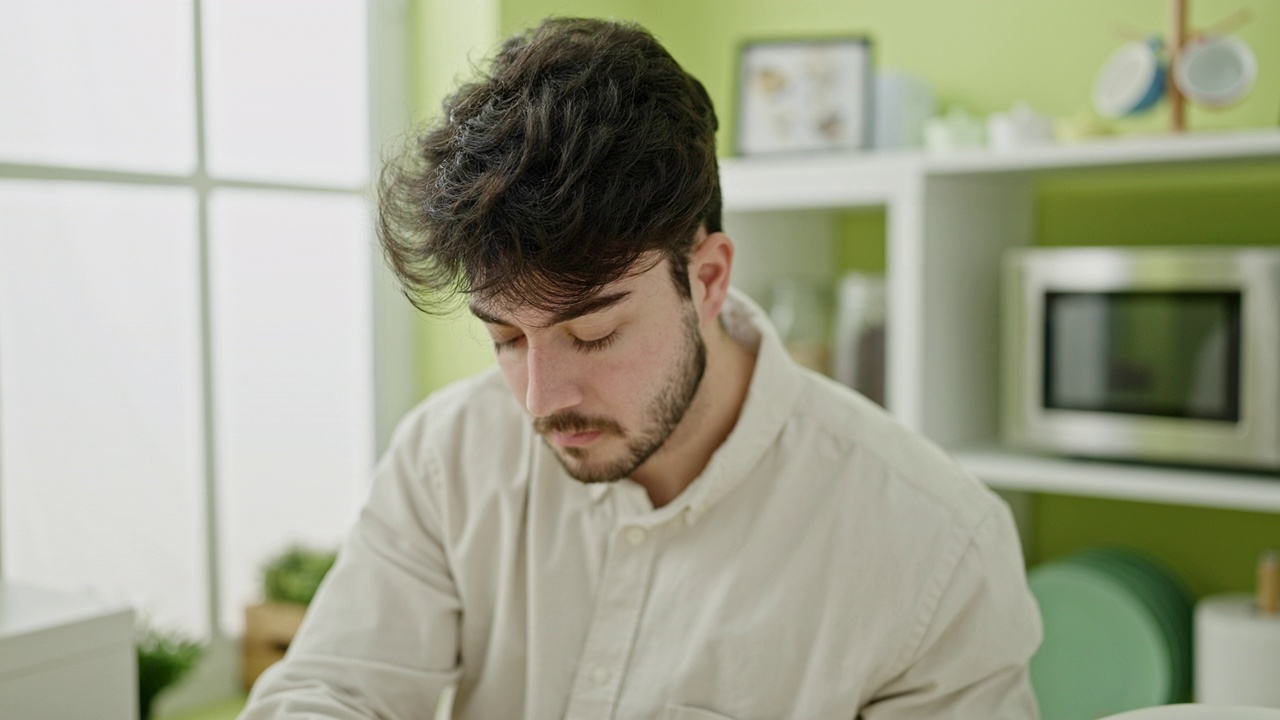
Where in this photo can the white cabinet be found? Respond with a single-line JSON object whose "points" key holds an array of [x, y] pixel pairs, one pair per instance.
{"points": [[949, 218], [65, 657]]}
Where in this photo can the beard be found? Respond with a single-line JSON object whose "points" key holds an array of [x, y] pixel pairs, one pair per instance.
{"points": [[663, 414]]}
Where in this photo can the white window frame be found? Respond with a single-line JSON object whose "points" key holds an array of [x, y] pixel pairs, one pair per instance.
{"points": [[394, 323]]}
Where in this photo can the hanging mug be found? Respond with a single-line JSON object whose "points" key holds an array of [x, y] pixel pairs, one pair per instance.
{"points": [[1215, 72], [1132, 79]]}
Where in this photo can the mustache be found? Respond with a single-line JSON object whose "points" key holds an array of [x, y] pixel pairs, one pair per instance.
{"points": [[572, 422]]}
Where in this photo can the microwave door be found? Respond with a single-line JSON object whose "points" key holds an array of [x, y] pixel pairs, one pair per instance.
{"points": [[1146, 354]]}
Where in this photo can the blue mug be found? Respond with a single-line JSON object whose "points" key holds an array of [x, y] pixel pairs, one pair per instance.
{"points": [[1131, 80]]}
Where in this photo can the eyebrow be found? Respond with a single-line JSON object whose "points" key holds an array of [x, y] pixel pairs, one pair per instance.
{"points": [[576, 310]]}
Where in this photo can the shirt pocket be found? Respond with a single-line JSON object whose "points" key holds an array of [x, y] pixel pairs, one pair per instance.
{"points": [[683, 712]]}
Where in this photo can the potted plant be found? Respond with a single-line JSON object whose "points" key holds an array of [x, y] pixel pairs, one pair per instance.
{"points": [[289, 581], [164, 658]]}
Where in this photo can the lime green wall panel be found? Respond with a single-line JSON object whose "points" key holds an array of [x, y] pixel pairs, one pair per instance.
{"points": [[452, 347], [517, 16], [1238, 205], [1212, 550], [450, 38], [861, 247]]}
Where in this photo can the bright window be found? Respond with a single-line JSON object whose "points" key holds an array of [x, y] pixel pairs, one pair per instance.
{"points": [[187, 313], [101, 431], [286, 91], [292, 374], [105, 84]]}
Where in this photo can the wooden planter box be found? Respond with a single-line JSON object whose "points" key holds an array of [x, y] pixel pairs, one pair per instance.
{"points": [[269, 627]]}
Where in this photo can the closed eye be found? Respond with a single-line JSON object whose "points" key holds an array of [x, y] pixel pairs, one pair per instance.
{"points": [[501, 345], [595, 345]]}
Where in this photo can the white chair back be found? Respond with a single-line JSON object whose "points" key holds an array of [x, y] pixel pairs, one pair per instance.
{"points": [[1195, 711]]}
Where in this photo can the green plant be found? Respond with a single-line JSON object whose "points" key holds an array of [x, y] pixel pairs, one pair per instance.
{"points": [[164, 658], [295, 574]]}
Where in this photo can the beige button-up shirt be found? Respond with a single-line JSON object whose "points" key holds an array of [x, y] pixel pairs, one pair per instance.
{"points": [[827, 563]]}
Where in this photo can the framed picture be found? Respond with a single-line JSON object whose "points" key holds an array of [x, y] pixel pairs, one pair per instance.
{"points": [[804, 95]]}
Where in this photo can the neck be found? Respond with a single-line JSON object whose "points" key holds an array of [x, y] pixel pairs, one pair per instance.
{"points": [[707, 423]]}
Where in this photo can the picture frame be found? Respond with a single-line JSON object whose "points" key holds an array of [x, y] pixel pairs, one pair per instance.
{"points": [[804, 95]]}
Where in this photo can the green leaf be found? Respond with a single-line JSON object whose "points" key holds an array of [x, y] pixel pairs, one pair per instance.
{"points": [[295, 575]]}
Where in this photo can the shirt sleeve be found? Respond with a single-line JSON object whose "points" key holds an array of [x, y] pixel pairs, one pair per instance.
{"points": [[380, 639], [979, 636]]}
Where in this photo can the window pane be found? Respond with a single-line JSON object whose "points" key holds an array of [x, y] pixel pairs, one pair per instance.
{"points": [[106, 84], [291, 276], [101, 436], [286, 88]]}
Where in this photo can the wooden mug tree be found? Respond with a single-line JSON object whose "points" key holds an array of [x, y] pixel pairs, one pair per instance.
{"points": [[1177, 40]]}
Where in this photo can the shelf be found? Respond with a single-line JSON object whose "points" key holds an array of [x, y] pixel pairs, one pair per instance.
{"points": [[801, 182], [1112, 152], [869, 179], [1006, 470]]}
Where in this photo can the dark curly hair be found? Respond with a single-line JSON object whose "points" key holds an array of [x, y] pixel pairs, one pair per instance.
{"points": [[583, 149]]}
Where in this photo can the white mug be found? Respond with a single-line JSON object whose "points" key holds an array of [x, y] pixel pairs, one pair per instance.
{"points": [[1215, 72]]}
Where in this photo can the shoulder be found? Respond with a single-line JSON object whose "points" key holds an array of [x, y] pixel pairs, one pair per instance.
{"points": [[462, 420], [915, 525], [882, 457], [460, 457]]}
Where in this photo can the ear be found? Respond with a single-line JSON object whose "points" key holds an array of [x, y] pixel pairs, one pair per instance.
{"points": [[710, 264]]}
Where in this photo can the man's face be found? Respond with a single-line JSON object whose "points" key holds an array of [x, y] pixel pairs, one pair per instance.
{"points": [[607, 382]]}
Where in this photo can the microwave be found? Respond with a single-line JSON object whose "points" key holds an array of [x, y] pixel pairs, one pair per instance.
{"points": [[1159, 354]]}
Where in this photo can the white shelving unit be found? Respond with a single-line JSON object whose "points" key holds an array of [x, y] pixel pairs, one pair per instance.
{"points": [[949, 218]]}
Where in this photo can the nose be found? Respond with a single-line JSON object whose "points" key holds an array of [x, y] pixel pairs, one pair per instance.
{"points": [[551, 382]]}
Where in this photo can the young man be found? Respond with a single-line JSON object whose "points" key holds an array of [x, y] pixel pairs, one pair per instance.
{"points": [[647, 510]]}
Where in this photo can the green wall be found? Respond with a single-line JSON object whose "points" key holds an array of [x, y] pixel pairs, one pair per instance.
{"points": [[1238, 205], [983, 54], [448, 38], [1212, 550]]}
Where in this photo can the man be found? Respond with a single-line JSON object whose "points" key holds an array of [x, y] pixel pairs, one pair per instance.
{"points": [[647, 510]]}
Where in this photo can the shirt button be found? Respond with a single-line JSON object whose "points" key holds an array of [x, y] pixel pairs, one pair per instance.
{"points": [[600, 675], [636, 535]]}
